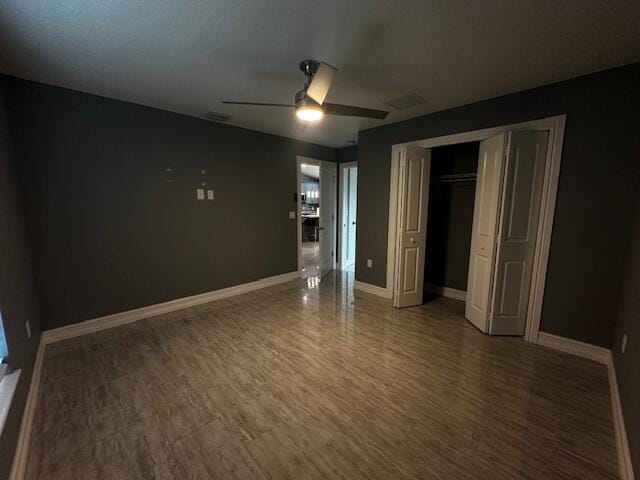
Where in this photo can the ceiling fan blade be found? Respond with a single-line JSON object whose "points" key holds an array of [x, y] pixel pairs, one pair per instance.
{"points": [[321, 83], [348, 110], [259, 104]]}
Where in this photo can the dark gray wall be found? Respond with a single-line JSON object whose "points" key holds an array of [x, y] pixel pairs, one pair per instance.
{"points": [[596, 196], [450, 216], [17, 294], [347, 154], [628, 365], [108, 231]]}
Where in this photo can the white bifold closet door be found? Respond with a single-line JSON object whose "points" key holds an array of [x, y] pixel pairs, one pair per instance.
{"points": [[505, 226], [413, 197], [484, 230]]}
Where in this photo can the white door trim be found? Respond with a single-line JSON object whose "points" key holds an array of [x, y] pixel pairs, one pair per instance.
{"points": [[556, 126], [341, 186]]}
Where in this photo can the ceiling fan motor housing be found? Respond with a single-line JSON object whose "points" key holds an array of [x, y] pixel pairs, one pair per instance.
{"points": [[309, 67], [302, 100]]}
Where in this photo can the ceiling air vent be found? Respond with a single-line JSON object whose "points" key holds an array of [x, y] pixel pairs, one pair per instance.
{"points": [[217, 117], [407, 101]]}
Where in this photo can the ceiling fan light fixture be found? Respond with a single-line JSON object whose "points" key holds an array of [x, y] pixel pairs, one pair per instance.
{"points": [[309, 102], [309, 113]]}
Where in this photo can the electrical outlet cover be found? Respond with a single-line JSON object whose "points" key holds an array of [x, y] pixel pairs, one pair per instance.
{"points": [[200, 193]]}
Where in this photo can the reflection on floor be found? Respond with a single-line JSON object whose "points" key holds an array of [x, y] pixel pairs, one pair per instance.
{"points": [[322, 383], [310, 259]]}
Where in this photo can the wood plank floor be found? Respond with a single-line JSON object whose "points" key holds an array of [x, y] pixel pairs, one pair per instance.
{"points": [[297, 382]]}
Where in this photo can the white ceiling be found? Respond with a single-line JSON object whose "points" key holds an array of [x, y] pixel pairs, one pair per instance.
{"points": [[189, 55]]}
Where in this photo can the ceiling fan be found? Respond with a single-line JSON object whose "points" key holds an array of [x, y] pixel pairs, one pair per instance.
{"points": [[309, 102]]}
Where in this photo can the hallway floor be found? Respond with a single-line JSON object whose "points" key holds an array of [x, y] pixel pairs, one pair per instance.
{"points": [[310, 259]]}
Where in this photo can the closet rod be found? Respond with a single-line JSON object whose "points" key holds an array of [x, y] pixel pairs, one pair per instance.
{"points": [[457, 177]]}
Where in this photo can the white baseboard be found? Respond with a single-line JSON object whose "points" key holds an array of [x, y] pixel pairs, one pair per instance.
{"points": [[605, 357], [50, 336], [574, 347], [122, 318], [24, 437], [372, 289], [622, 443], [446, 292]]}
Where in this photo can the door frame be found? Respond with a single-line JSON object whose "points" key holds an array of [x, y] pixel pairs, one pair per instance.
{"points": [[342, 167], [310, 161], [556, 127], [299, 161]]}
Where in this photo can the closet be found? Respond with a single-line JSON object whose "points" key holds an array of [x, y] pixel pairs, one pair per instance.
{"points": [[432, 248], [450, 219]]}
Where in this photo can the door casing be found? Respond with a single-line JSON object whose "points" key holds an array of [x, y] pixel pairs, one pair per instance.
{"points": [[555, 126], [299, 161], [343, 167]]}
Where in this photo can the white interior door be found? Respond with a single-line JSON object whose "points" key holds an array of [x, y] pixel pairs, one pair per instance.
{"points": [[520, 212], [484, 231], [413, 196], [352, 205], [326, 228]]}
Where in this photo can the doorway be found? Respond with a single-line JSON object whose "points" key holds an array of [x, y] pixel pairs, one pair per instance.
{"points": [[512, 226], [348, 205], [316, 214], [450, 219], [310, 218]]}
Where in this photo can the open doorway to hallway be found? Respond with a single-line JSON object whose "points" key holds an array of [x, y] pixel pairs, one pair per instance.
{"points": [[317, 216], [348, 210], [310, 218]]}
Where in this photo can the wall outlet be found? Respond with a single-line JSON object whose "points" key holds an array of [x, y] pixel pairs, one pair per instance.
{"points": [[623, 347], [369, 263], [292, 215], [27, 327], [210, 195], [200, 193]]}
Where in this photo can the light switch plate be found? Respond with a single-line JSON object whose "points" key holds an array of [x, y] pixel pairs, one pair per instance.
{"points": [[292, 215], [200, 193], [369, 263], [210, 195]]}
